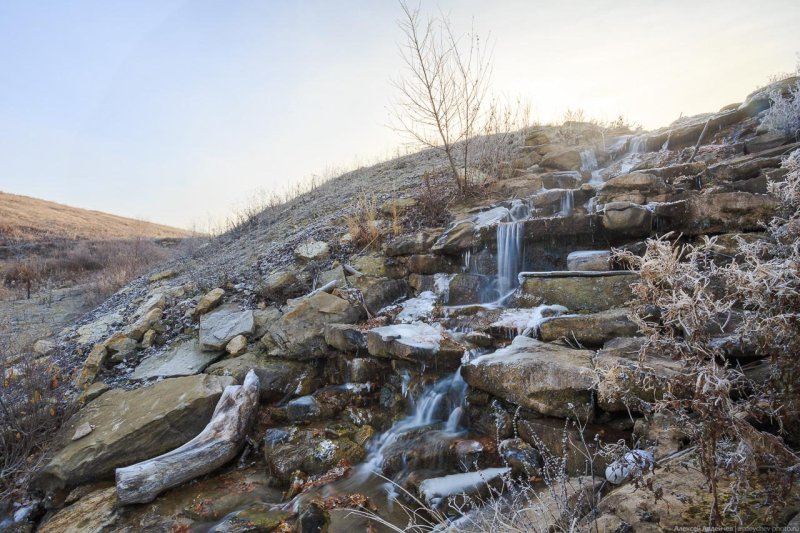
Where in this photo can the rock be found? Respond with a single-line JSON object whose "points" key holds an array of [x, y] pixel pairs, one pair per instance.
{"points": [[310, 453], [94, 362], [438, 492], [300, 332], [561, 180], [415, 243], [277, 378], [626, 218], [464, 234], [622, 469], [96, 331], [565, 159], [130, 426], [93, 391], [137, 330], [419, 342], [120, 346], [465, 289], [727, 212], [219, 327], [589, 330], [44, 347], [96, 512], [208, 301], [237, 346], [380, 292], [521, 457], [164, 274], [149, 338], [156, 300], [397, 206], [637, 187], [303, 409], [254, 517], [590, 260], [345, 338], [183, 359], [312, 251], [280, 285], [586, 292], [264, 318], [430, 264], [377, 266], [536, 375], [82, 430]]}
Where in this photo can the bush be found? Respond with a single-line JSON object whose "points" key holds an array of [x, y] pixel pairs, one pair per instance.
{"points": [[783, 115]]}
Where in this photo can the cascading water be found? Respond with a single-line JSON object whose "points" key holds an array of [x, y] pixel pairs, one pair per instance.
{"points": [[588, 161], [509, 256], [567, 202], [636, 144]]}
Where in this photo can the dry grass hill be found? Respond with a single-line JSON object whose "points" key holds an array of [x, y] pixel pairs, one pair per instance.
{"points": [[23, 218]]}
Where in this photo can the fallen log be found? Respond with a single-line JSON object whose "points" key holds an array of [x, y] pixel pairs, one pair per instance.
{"points": [[218, 443]]}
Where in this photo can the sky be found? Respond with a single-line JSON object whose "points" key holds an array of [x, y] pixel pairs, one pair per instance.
{"points": [[180, 111]]}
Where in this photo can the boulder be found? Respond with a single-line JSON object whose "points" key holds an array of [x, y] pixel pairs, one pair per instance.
{"points": [[397, 206], [726, 212], [345, 338], [264, 318], [465, 289], [464, 234], [91, 366], [219, 327], [430, 264], [627, 218], [130, 426], [590, 260], [419, 342], [583, 292], [637, 187], [98, 511], [120, 346], [561, 180], [154, 300], [277, 378], [237, 346], [415, 243], [589, 330], [137, 330], [98, 329], [547, 378], [208, 301], [378, 266], [300, 332], [380, 292], [183, 359], [282, 284], [44, 347], [567, 159], [309, 451], [312, 251]]}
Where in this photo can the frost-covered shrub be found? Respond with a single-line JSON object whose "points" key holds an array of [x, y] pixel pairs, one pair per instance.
{"points": [[783, 116]]}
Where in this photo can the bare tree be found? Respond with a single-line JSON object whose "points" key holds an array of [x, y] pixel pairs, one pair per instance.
{"points": [[444, 88]]}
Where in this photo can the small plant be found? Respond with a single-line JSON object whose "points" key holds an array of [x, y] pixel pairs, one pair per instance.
{"points": [[363, 225], [783, 115]]}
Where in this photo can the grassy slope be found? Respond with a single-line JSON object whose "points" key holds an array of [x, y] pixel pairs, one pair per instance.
{"points": [[26, 218]]}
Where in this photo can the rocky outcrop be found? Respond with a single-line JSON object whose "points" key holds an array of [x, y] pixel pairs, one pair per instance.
{"points": [[277, 378], [585, 292], [219, 327], [184, 359], [130, 426], [589, 330], [548, 378], [420, 343]]}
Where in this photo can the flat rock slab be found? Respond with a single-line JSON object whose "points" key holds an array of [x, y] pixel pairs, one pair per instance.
{"points": [[129, 427], [417, 342], [277, 378], [535, 375], [592, 329], [185, 359], [582, 292], [219, 327]]}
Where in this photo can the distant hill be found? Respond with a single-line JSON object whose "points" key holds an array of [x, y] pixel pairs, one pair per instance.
{"points": [[23, 218]]}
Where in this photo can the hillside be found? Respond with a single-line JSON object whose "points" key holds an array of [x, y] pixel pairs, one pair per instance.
{"points": [[566, 347], [23, 218]]}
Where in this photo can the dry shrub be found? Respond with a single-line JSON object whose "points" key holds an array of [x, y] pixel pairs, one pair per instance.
{"points": [[32, 407], [753, 302], [363, 224]]}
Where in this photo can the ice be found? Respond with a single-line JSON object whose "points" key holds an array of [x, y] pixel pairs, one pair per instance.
{"points": [[527, 321], [435, 490]]}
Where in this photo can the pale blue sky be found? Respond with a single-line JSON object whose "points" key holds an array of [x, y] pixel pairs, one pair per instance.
{"points": [[174, 111]]}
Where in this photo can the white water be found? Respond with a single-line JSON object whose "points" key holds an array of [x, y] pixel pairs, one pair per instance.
{"points": [[509, 256], [588, 161], [567, 202], [443, 401], [637, 144]]}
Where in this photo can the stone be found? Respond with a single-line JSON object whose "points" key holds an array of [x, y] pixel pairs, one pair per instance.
{"points": [[255, 517], [464, 234], [561, 180], [430, 264], [380, 292], [727, 212], [592, 329], [236, 346], [312, 251], [565, 159], [93, 391], [377, 266], [582, 292], [129, 427], [97, 511], [336, 274], [627, 218], [120, 346], [264, 318], [97, 330], [310, 452], [153, 301], [149, 338], [183, 359], [420, 343], [303, 409], [219, 327], [91, 366], [547, 378], [163, 275], [147, 321], [280, 285], [523, 458], [465, 289], [345, 338], [591, 260], [415, 243], [208, 301], [300, 332], [277, 378], [82, 430], [44, 347], [637, 187], [397, 206]]}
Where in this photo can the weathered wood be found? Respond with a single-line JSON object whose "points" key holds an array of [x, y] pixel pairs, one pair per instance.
{"points": [[218, 443], [328, 287]]}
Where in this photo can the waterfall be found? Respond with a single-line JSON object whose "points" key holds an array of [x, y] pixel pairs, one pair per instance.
{"points": [[588, 160], [440, 403], [509, 256], [567, 202], [637, 145]]}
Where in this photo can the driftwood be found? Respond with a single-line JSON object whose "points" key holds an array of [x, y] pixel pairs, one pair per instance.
{"points": [[328, 287], [218, 443]]}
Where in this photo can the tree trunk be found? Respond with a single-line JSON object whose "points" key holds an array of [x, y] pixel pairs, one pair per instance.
{"points": [[218, 443]]}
